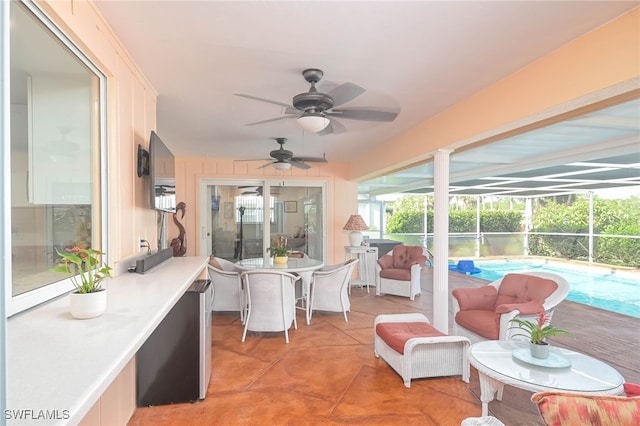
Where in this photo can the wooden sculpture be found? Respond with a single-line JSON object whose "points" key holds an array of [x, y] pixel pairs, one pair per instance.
{"points": [[179, 243]]}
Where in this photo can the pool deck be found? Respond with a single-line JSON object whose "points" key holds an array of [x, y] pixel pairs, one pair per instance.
{"points": [[607, 336]]}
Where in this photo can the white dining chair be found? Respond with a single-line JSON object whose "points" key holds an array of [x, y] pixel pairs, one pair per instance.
{"points": [[227, 286], [271, 301], [329, 289]]}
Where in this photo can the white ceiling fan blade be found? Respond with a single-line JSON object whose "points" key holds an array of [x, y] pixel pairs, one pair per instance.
{"points": [[334, 127], [345, 92], [299, 165], [364, 114], [269, 101], [266, 165], [269, 120], [311, 159]]}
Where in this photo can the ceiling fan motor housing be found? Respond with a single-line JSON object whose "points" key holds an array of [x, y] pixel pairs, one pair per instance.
{"points": [[312, 100], [281, 154]]}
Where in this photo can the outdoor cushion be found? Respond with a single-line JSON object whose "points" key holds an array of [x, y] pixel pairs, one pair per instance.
{"points": [[214, 262], [405, 256], [396, 274], [564, 408], [528, 308], [520, 288], [386, 262], [631, 389], [482, 322], [396, 334], [483, 298]]}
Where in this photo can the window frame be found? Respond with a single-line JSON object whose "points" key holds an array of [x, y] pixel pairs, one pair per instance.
{"points": [[15, 304]]}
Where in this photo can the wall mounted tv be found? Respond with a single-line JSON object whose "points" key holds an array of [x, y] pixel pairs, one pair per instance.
{"points": [[163, 175]]}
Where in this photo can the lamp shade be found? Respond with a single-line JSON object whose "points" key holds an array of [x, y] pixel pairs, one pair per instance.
{"points": [[282, 165], [355, 224], [313, 122]]}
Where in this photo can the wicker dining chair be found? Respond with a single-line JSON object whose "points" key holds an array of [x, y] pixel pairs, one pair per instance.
{"points": [[271, 301]]}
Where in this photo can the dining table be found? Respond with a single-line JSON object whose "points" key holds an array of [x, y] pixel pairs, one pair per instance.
{"points": [[303, 267]]}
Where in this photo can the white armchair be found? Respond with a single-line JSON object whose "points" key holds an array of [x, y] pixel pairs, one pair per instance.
{"points": [[271, 301], [520, 296], [399, 272], [329, 288], [227, 286]]}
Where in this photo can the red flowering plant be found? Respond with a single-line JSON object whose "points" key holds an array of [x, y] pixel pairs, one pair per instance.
{"points": [[85, 268], [537, 331], [279, 247]]}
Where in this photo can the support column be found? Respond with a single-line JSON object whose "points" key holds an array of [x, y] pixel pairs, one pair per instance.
{"points": [[478, 234], [441, 241], [528, 214], [425, 221], [590, 226]]}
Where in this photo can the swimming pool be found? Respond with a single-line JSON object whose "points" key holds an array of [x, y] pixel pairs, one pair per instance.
{"points": [[616, 291]]}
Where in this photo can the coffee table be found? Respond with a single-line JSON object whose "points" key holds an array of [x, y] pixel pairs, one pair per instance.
{"points": [[497, 367]]}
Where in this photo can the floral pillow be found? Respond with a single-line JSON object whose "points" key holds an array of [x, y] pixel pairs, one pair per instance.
{"points": [[561, 409]]}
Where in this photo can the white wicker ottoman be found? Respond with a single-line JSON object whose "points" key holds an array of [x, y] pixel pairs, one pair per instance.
{"points": [[434, 356]]}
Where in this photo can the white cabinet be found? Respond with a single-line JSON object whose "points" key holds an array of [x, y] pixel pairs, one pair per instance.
{"points": [[368, 257]]}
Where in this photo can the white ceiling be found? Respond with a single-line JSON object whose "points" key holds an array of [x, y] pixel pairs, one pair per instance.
{"points": [[420, 57]]}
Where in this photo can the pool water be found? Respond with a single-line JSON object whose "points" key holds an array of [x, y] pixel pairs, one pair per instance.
{"points": [[616, 291]]}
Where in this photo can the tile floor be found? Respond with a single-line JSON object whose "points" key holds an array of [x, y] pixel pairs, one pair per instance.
{"points": [[328, 375]]}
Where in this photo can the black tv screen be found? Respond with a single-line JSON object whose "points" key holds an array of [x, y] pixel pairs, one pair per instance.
{"points": [[163, 175]]}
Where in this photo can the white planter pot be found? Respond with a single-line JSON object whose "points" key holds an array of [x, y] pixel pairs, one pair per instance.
{"points": [[87, 305], [539, 351]]}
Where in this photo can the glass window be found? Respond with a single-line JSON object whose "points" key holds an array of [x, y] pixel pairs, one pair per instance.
{"points": [[56, 133], [241, 222]]}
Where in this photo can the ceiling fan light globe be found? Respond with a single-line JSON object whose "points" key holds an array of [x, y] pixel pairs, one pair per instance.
{"points": [[281, 166], [313, 123]]}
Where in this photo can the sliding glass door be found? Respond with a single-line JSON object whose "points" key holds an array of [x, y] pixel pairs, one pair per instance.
{"points": [[240, 218]]}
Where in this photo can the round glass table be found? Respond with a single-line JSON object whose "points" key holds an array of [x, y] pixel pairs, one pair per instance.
{"points": [[566, 371]]}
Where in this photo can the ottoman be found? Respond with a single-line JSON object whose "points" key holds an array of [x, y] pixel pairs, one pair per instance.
{"points": [[414, 349]]}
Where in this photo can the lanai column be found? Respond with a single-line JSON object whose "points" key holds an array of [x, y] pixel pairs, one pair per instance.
{"points": [[441, 240], [590, 193]]}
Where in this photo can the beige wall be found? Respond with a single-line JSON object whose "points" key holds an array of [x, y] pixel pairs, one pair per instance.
{"points": [[606, 57]]}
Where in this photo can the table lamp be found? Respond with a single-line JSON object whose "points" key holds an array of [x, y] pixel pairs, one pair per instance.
{"points": [[355, 224]]}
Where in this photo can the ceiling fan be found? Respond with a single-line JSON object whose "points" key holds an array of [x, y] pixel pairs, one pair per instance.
{"points": [[284, 158], [316, 112]]}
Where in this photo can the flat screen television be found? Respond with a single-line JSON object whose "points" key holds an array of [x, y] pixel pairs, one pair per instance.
{"points": [[162, 171]]}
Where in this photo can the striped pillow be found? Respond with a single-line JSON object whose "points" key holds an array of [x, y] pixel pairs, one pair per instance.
{"points": [[564, 408]]}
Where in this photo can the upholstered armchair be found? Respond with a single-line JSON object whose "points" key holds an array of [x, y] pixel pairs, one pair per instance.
{"points": [[399, 272], [484, 313]]}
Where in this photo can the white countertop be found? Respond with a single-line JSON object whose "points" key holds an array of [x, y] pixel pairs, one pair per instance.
{"points": [[56, 362]]}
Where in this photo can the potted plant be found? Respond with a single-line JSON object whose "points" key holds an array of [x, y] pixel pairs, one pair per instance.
{"points": [[279, 250], [87, 273], [537, 332]]}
